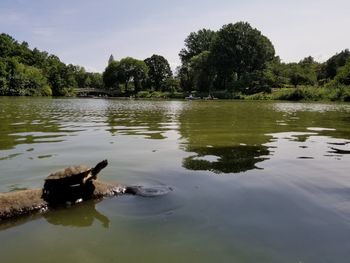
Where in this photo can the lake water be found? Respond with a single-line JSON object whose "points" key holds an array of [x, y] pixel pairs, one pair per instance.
{"points": [[252, 181]]}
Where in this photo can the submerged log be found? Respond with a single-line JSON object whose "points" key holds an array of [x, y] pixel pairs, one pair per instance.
{"points": [[23, 202]]}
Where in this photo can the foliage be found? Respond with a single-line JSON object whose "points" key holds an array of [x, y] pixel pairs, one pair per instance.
{"points": [[110, 75], [236, 62], [26, 72], [196, 43], [195, 60], [130, 69], [301, 75], [329, 69], [293, 94], [159, 72], [126, 75], [185, 77], [144, 94], [239, 49], [20, 79], [308, 93], [202, 72], [159, 95], [232, 58], [258, 96], [343, 75]]}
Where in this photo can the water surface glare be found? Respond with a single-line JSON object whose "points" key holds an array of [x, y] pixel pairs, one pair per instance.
{"points": [[250, 181]]}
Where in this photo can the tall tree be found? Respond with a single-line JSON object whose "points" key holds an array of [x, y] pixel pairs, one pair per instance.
{"points": [[202, 72], [330, 67], [159, 71], [343, 75], [124, 72], [111, 76], [96, 80], [196, 43], [237, 49], [7, 45], [184, 74], [132, 70], [32, 72]]}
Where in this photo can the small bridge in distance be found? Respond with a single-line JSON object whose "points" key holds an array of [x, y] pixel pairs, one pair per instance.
{"points": [[82, 92]]}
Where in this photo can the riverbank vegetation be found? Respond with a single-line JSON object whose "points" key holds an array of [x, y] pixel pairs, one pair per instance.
{"points": [[239, 62], [235, 62], [31, 72]]}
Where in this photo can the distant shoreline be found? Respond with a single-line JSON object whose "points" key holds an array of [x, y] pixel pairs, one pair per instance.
{"points": [[306, 93]]}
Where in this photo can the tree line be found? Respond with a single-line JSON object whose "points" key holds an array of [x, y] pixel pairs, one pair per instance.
{"points": [[239, 59], [131, 76], [236, 59], [31, 72]]}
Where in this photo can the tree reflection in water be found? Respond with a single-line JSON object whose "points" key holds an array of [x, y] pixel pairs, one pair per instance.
{"points": [[233, 159]]}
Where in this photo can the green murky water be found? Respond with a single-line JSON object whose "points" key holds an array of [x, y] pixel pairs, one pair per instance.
{"points": [[253, 181]]}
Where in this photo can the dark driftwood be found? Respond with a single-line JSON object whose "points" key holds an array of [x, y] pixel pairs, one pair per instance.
{"points": [[14, 204]]}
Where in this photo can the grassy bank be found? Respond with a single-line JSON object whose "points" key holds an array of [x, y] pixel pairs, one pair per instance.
{"points": [[160, 95], [305, 93], [338, 93]]}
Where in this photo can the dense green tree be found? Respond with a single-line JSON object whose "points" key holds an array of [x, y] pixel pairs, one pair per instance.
{"points": [[275, 74], [237, 57], [202, 72], [38, 58], [343, 75], [296, 75], [159, 72], [69, 76], [55, 74], [132, 70], [238, 49], [253, 82], [4, 85], [81, 77], [36, 82], [330, 67], [32, 72], [309, 68], [95, 80], [185, 76], [128, 70], [278, 74], [301, 75], [7, 45], [307, 62], [196, 43], [111, 76], [3, 71], [22, 79]]}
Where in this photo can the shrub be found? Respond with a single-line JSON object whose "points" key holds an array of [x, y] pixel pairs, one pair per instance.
{"points": [[143, 94], [259, 96], [297, 94]]}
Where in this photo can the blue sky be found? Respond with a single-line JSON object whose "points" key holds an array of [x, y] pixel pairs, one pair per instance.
{"points": [[86, 32]]}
